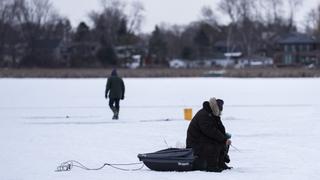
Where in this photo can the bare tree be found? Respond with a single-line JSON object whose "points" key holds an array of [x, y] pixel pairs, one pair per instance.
{"points": [[5, 6], [228, 7], [273, 10], [313, 21], [4, 11], [293, 9], [116, 4], [33, 17], [246, 9], [9, 34], [243, 15], [173, 37], [108, 22], [136, 17], [38, 12], [208, 15], [36, 19]]}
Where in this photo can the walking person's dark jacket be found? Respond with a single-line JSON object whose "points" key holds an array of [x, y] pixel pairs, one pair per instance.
{"points": [[115, 88]]}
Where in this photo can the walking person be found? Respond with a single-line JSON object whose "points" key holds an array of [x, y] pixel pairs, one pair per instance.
{"points": [[207, 137], [115, 89]]}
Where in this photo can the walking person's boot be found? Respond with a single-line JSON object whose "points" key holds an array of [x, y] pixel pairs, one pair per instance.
{"points": [[115, 113]]}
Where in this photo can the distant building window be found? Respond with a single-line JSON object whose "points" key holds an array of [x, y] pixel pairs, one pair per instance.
{"points": [[307, 59], [288, 59], [286, 48], [308, 48], [301, 48], [293, 48]]}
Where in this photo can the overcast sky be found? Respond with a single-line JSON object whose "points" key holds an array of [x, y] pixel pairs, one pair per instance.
{"points": [[156, 11]]}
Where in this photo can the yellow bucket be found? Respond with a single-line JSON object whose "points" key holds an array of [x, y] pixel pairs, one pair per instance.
{"points": [[188, 114]]}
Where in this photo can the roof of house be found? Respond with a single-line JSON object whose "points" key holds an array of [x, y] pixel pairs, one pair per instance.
{"points": [[297, 38], [233, 46], [221, 44], [47, 43]]}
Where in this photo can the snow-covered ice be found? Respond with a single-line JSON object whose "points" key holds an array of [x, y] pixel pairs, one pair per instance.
{"points": [[43, 122]]}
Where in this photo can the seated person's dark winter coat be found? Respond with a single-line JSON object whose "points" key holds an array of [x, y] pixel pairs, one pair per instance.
{"points": [[207, 137]]}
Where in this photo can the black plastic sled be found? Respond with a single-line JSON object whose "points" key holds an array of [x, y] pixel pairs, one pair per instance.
{"points": [[172, 159]]}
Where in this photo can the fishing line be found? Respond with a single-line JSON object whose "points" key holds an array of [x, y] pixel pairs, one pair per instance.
{"points": [[68, 165]]}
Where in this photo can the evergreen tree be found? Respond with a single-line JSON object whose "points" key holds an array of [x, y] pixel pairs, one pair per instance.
{"points": [[157, 46], [187, 53], [107, 56], [202, 42], [82, 33]]}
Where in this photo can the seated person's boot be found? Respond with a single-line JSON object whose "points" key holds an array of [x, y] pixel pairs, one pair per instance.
{"points": [[223, 166], [213, 166], [214, 169], [226, 158]]}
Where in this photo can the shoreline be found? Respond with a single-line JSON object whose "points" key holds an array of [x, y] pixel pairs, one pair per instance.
{"points": [[161, 72]]}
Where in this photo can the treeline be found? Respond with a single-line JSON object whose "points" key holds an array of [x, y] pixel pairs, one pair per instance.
{"points": [[33, 34]]}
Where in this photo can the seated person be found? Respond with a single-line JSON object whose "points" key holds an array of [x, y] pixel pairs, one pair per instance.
{"points": [[207, 137]]}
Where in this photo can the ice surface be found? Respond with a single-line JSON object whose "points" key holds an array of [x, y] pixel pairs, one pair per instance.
{"points": [[44, 122]]}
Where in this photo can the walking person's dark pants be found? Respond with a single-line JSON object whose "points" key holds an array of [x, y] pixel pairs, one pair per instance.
{"points": [[114, 104]]}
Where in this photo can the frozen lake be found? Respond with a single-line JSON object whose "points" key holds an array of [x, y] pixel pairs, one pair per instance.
{"points": [[43, 122]]}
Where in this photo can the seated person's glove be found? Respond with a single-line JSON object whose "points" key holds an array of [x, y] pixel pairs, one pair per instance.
{"points": [[228, 142], [228, 135]]}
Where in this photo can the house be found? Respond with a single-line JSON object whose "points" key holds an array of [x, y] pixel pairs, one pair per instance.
{"points": [[225, 47], [130, 55], [254, 61], [229, 60], [297, 49], [178, 63], [13, 54], [54, 50], [43, 52], [84, 49], [82, 53], [226, 54]]}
